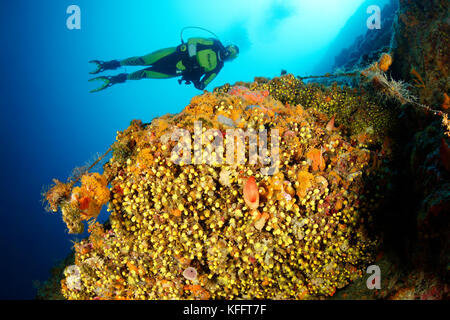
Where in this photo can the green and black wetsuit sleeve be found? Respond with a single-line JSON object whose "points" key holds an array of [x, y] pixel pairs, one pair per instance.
{"points": [[208, 77]]}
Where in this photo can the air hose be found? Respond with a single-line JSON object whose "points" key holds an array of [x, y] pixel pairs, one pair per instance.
{"points": [[200, 28]]}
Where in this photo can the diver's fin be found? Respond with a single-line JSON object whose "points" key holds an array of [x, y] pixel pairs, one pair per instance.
{"points": [[98, 65], [102, 65], [106, 83]]}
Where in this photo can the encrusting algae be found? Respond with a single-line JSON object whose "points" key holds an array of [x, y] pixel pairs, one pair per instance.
{"points": [[225, 231]]}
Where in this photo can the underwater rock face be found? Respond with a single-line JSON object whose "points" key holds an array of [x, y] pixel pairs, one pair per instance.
{"points": [[421, 57], [367, 49], [209, 231], [415, 266], [421, 50]]}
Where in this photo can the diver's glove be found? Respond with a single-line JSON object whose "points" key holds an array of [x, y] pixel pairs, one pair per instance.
{"points": [[199, 85], [102, 65], [108, 81]]}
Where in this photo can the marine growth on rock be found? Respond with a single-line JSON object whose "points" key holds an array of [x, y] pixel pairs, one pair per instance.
{"points": [[227, 231]]}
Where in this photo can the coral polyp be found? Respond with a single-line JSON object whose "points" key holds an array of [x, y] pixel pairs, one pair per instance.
{"points": [[226, 231]]}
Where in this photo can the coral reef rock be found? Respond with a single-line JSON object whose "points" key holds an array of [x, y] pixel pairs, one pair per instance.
{"points": [[225, 230]]}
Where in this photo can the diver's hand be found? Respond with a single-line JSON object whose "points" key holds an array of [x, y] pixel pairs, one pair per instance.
{"points": [[106, 83], [200, 85]]}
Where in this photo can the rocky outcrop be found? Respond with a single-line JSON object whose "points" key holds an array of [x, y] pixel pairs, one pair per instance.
{"points": [[415, 260], [421, 42]]}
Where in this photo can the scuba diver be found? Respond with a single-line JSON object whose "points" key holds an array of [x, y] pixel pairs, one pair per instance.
{"points": [[198, 61]]}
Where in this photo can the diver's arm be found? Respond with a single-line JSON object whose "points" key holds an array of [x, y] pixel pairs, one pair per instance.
{"points": [[207, 78], [199, 85]]}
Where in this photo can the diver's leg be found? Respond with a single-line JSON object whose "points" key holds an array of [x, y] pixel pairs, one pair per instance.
{"points": [[148, 59], [150, 73], [167, 67]]}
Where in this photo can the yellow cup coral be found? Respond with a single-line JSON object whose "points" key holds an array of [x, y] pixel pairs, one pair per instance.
{"points": [[300, 233]]}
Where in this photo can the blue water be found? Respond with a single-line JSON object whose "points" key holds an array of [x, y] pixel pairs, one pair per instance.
{"points": [[50, 123]]}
